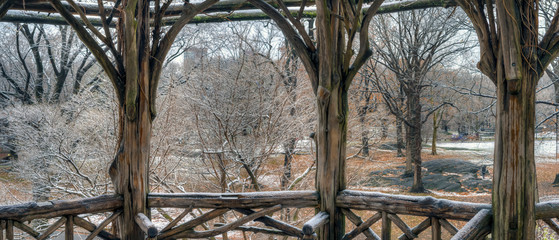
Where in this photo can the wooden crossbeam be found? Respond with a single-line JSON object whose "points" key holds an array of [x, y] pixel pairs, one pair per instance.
{"points": [[552, 224], [417, 229], [52, 228], [448, 226], [402, 225], [26, 229], [222, 13], [5, 5], [227, 227], [177, 219], [357, 221], [94, 230], [193, 223], [270, 222], [92, 9], [364, 226], [268, 231]]}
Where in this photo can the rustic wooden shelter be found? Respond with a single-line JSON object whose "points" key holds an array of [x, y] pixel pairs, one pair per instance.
{"points": [[511, 56]]}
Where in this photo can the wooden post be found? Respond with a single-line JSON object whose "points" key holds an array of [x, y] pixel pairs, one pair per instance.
{"points": [[514, 58], [10, 230], [2, 227], [435, 229], [69, 233], [386, 227]]}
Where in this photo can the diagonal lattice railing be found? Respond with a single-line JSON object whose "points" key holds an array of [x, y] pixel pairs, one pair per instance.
{"points": [[68, 215], [65, 213]]}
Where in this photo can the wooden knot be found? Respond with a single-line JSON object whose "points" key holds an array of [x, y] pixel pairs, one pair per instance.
{"points": [[513, 86], [322, 94]]}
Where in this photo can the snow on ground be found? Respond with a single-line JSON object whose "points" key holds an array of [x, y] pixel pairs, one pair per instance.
{"points": [[545, 150]]}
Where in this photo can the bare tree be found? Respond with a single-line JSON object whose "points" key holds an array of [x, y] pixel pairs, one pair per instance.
{"points": [[411, 44]]}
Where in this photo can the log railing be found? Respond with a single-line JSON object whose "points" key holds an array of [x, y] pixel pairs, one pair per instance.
{"points": [[256, 206], [259, 207], [68, 213]]}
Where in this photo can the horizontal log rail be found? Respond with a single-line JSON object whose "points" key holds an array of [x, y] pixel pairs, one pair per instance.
{"points": [[288, 199], [257, 207], [32, 210], [409, 205]]}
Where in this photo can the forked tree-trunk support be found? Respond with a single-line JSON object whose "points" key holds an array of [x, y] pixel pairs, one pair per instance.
{"points": [[514, 60]]}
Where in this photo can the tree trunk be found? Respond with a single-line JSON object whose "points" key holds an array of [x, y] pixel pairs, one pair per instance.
{"points": [[400, 139], [331, 140], [399, 132], [132, 161], [514, 180], [364, 131], [413, 141], [434, 138]]}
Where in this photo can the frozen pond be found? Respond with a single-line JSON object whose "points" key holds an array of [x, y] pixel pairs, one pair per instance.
{"points": [[545, 150]]}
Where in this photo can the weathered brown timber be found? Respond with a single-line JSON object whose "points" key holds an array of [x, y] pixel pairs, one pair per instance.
{"points": [[314, 223], [514, 58], [146, 225], [270, 222], [476, 228], [297, 199], [26, 229], [448, 226], [32, 210], [409, 205], [268, 231], [547, 210], [552, 224], [402, 225], [52, 228], [95, 231], [222, 12], [9, 230], [92, 9], [2, 227], [364, 227], [358, 221], [177, 219], [417, 229], [386, 227], [435, 229], [193, 223], [103, 224], [227, 227], [69, 228]]}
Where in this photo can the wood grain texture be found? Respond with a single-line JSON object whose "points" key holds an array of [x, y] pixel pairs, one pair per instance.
{"points": [[288, 199], [409, 205], [475, 228], [33, 210]]}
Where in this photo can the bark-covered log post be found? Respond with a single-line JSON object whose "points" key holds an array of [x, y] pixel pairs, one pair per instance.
{"points": [[514, 60], [331, 65], [134, 66]]}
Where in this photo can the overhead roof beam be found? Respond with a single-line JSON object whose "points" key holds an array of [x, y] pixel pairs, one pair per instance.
{"points": [[226, 11]]}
